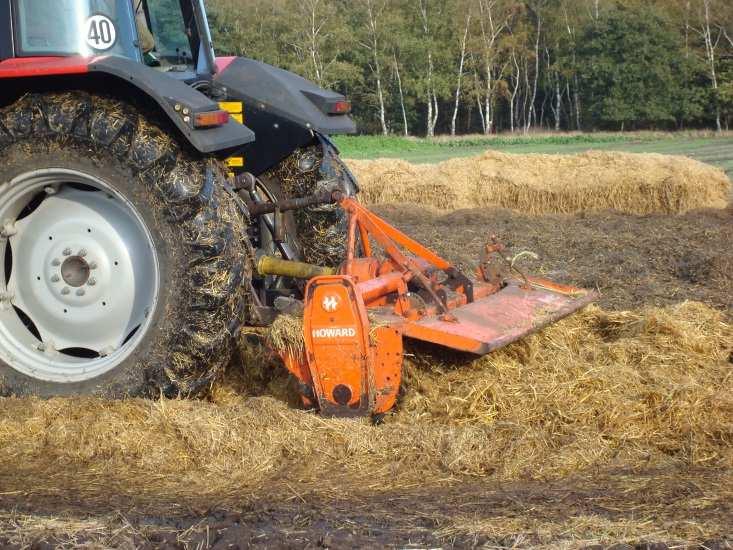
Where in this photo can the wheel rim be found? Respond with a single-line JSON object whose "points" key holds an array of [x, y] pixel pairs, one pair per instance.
{"points": [[80, 276], [267, 225]]}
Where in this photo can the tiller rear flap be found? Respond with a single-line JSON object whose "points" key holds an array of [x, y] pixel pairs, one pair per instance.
{"points": [[354, 322]]}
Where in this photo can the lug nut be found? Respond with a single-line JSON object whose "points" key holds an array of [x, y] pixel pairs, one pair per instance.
{"points": [[56, 262], [67, 252], [55, 279], [80, 292], [65, 291], [177, 107], [50, 190], [92, 265], [92, 281], [186, 111]]}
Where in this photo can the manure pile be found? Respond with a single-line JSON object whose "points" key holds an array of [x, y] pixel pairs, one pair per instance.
{"points": [[598, 390], [542, 184]]}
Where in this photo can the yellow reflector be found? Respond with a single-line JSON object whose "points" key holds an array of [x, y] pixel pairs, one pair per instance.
{"points": [[235, 162], [232, 107], [238, 118]]}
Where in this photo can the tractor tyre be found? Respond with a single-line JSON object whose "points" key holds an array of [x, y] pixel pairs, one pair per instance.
{"points": [[124, 256], [320, 231]]}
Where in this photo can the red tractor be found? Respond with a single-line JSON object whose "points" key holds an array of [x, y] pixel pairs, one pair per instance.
{"points": [[126, 255], [154, 197]]}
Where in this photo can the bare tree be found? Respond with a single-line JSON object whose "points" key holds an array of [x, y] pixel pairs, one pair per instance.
{"points": [[374, 12], [712, 41], [532, 114], [727, 36], [479, 99], [516, 79], [554, 88], [493, 22], [316, 27], [313, 24], [432, 99], [525, 119], [575, 97], [460, 75], [402, 95]]}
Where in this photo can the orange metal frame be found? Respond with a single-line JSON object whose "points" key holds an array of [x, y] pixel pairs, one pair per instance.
{"points": [[354, 322]]}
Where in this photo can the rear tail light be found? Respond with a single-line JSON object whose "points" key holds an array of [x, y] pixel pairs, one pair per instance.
{"points": [[340, 108], [210, 118]]}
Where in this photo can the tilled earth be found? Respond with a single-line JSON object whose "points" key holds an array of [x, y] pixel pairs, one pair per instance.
{"points": [[570, 513], [634, 261]]}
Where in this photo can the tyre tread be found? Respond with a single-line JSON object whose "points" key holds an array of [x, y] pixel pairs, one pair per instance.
{"points": [[188, 189]]}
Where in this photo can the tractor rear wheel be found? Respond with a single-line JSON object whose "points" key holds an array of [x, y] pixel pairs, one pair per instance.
{"points": [[317, 233], [124, 256]]}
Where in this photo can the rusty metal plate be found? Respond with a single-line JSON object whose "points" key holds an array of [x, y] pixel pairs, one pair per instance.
{"points": [[502, 318]]}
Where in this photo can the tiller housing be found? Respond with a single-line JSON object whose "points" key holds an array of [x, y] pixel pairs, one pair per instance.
{"points": [[354, 322]]}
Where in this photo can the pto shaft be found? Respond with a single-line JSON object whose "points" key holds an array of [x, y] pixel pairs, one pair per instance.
{"points": [[270, 265]]}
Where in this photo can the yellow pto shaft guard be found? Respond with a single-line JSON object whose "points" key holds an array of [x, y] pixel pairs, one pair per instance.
{"points": [[270, 265]]}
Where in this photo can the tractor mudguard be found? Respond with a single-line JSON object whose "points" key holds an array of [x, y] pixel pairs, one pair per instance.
{"points": [[169, 92], [282, 93], [163, 90], [334, 170], [283, 109]]}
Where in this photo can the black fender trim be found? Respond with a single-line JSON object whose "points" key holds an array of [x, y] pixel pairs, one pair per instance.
{"points": [[334, 169], [169, 93], [268, 89]]}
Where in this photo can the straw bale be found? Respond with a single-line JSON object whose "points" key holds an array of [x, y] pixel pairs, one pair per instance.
{"points": [[540, 184], [601, 389]]}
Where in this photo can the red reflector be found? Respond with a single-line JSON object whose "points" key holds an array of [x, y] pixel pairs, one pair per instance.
{"points": [[210, 118], [341, 108]]}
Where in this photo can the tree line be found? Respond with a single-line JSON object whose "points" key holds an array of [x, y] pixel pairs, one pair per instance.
{"points": [[424, 67]]}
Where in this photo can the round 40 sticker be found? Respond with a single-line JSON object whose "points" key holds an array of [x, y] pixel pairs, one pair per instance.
{"points": [[100, 32]]}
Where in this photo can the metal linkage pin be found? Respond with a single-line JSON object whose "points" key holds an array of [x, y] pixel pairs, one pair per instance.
{"points": [[8, 230]]}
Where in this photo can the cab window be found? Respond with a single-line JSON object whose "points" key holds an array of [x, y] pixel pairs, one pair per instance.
{"points": [[73, 27], [171, 26]]}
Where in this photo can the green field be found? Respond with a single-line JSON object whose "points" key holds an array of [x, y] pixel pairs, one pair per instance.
{"points": [[717, 150]]}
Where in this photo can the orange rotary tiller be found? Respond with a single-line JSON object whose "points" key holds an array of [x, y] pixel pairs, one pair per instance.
{"points": [[355, 322]]}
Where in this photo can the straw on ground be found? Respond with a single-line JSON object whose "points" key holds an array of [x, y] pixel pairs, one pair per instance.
{"points": [[539, 184]]}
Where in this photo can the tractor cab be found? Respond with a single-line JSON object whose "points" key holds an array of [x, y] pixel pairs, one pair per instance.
{"points": [[169, 35]]}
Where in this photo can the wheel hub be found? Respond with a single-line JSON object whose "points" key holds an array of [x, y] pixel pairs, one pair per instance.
{"points": [[75, 271], [82, 276]]}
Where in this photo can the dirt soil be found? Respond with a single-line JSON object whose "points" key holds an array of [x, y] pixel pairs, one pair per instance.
{"points": [[568, 514], [633, 260]]}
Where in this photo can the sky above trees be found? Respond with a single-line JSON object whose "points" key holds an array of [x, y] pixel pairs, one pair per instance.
{"points": [[426, 67]]}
